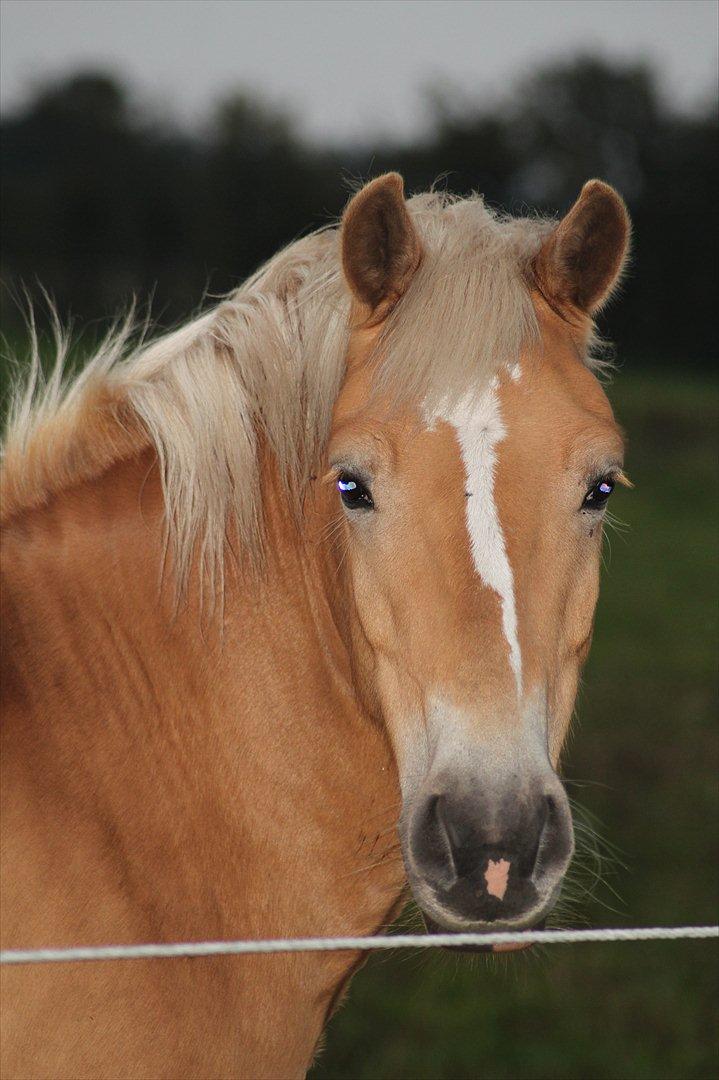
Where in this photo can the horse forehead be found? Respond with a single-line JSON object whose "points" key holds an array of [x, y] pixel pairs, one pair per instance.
{"points": [[561, 372], [555, 414]]}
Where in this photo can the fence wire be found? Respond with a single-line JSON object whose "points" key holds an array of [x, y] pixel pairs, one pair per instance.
{"points": [[161, 950]]}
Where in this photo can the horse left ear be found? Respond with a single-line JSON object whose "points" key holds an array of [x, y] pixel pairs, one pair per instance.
{"points": [[380, 246], [581, 262]]}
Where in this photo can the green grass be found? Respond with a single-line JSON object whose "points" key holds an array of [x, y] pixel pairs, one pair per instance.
{"points": [[644, 753]]}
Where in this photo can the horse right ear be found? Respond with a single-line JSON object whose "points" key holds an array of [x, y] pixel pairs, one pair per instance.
{"points": [[581, 262], [380, 247]]}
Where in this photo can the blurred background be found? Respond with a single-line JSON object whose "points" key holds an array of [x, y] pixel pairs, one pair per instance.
{"points": [[162, 150]]}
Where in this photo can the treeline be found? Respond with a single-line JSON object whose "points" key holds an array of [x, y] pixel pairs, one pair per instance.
{"points": [[98, 203]]}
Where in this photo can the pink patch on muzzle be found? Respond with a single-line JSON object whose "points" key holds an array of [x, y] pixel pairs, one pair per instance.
{"points": [[496, 876]]}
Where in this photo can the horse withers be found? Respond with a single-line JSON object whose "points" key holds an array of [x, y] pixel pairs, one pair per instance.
{"points": [[295, 602]]}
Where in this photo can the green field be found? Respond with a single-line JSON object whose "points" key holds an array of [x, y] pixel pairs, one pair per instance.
{"points": [[643, 759]]}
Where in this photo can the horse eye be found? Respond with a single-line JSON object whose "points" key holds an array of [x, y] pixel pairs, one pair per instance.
{"points": [[353, 493], [598, 494]]}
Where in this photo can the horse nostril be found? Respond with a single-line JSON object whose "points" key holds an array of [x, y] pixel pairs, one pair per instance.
{"points": [[436, 836], [550, 840], [446, 826], [555, 817]]}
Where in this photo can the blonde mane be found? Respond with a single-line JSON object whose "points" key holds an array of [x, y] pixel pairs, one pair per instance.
{"points": [[265, 367]]}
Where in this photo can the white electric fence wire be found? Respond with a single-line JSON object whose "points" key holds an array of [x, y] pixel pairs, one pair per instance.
{"points": [[365, 944]]}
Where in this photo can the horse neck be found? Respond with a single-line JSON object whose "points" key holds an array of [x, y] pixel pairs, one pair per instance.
{"points": [[216, 764], [168, 778]]}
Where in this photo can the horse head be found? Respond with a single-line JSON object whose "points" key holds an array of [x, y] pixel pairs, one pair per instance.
{"points": [[472, 529]]}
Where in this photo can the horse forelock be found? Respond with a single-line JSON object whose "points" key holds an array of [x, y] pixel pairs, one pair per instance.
{"points": [[264, 368]]}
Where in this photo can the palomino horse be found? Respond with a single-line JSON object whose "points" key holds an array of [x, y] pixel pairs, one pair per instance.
{"points": [[294, 606]]}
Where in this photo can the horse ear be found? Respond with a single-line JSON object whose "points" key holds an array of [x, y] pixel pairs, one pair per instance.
{"points": [[582, 260], [380, 247]]}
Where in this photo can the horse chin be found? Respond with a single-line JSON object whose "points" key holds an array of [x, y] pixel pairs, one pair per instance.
{"points": [[435, 928]]}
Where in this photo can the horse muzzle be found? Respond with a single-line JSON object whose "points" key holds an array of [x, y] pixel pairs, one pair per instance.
{"points": [[488, 864]]}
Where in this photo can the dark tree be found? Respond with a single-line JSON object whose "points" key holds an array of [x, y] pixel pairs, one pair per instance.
{"points": [[99, 205]]}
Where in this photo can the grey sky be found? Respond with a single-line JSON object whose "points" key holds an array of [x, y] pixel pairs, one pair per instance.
{"points": [[346, 69]]}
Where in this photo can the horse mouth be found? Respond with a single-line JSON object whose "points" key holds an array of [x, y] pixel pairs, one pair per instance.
{"points": [[435, 928]]}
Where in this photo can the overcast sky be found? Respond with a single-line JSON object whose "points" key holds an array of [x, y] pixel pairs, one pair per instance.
{"points": [[345, 68]]}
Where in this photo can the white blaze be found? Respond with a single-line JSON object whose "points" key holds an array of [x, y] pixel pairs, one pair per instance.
{"points": [[479, 427]]}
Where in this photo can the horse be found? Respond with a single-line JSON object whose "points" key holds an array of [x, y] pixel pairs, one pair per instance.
{"points": [[295, 602]]}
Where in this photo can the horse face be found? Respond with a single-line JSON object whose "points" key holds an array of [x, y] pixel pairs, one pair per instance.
{"points": [[472, 538]]}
